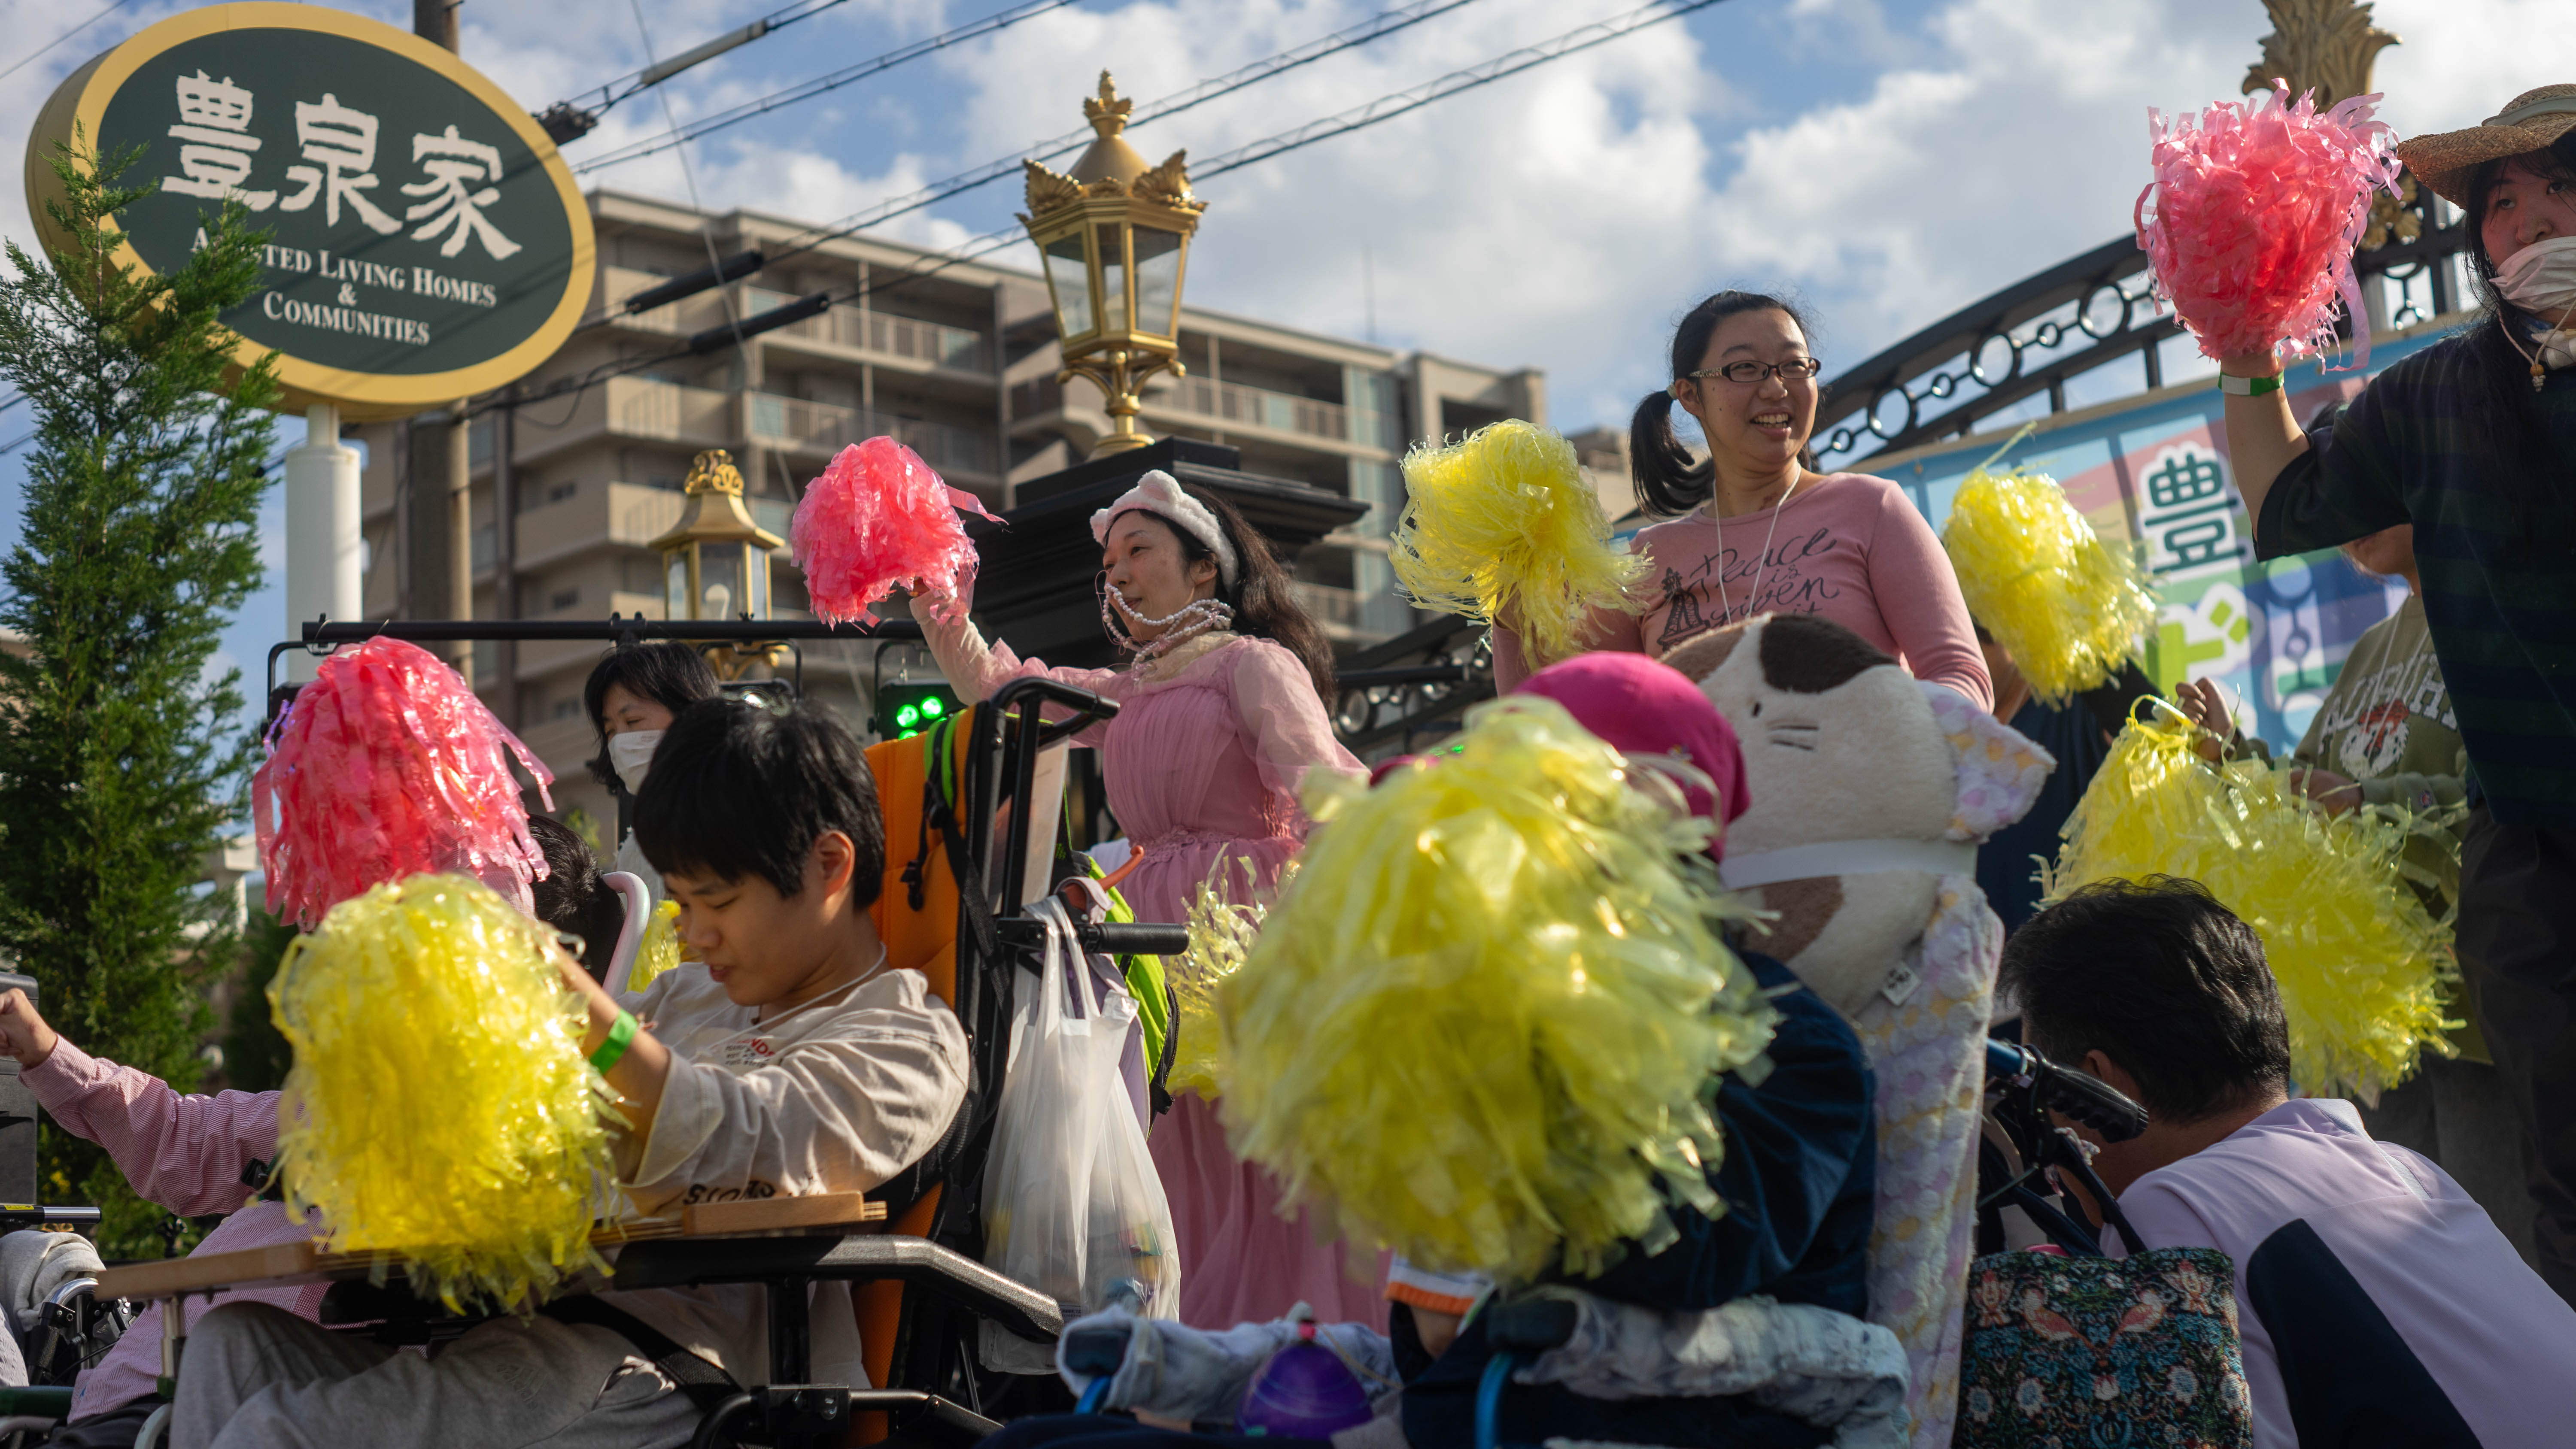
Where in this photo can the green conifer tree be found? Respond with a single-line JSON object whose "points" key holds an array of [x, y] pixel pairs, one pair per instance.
{"points": [[121, 759]]}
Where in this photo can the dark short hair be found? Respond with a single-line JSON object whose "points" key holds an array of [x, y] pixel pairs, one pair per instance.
{"points": [[666, 671], [572, 898], [2158, 976], [741, 790]]}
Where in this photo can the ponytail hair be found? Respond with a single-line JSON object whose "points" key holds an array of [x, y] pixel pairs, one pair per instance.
{"points": [[1669, 483]]}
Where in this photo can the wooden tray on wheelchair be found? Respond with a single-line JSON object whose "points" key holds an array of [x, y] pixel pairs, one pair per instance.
{"points": [[282, 1264]]}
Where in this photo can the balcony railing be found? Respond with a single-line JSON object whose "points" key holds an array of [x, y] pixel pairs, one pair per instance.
{"points": [[909, 337], [645, 408], [1227, 402], [801, 426]]}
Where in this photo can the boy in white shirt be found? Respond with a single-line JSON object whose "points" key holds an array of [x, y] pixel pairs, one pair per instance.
{"points": [[2380, 1308], [786, 1061]]}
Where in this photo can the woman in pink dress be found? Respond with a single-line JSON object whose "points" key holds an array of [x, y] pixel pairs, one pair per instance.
{"points": [[1222, 715]]}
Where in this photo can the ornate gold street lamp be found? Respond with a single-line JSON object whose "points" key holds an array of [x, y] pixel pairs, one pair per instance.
{"points": [[715, 561], [1114, 234]]}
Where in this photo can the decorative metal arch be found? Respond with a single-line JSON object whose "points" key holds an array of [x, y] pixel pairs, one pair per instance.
{"points": [[1414, 685], [2094, 309]]}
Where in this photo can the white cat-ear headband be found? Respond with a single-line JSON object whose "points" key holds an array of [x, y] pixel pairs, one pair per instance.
{"points": [[1158, 494]]}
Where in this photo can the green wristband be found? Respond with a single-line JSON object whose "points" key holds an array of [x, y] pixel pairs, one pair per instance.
{"points": [[2249, 386], [613, 1050]]}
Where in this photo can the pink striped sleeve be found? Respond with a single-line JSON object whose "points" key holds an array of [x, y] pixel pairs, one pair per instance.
{"points": [[185, 1153]]}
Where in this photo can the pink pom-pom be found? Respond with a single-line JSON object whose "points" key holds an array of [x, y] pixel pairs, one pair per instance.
{"points": [[387, 766], [877, 520], [2253, 215]]}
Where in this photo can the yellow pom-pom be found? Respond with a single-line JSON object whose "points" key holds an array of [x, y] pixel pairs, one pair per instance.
{"points": [[2362, 967], [2069, 604], [1504, 519], [659, 951], [440, 1105], [1481, 1024], [1221, 936]]}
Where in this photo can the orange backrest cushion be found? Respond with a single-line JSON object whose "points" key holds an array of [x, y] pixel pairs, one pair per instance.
{"points": [[923, 941]]}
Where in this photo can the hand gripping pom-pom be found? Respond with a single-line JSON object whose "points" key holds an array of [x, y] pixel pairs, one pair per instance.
{"points": [[877, 520], [1505, 520], [1221, 936], [439, 1106], [2069, 605], [1482, 1024], [2251, 220], [659, 948], [387, 766], [2361, 966]]}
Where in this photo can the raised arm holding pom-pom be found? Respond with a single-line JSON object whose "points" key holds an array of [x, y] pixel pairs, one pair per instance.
{"points": [[2472, 440], [2262, 436]]}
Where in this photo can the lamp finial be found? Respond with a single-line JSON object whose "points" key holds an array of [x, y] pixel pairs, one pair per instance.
{"points": [[1108, 114], [713, 471]]}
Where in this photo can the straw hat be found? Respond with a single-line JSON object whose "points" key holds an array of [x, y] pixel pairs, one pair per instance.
{"points": [[2448, 160]]}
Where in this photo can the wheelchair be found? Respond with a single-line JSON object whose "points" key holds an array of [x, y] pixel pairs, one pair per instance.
{"points": [[962, 805]]}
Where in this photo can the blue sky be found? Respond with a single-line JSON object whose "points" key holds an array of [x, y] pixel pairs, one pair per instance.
{"points": [[1888, 162]]}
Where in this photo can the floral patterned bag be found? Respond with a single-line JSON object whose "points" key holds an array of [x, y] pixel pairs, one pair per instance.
{"points": [[2142, 1350]]}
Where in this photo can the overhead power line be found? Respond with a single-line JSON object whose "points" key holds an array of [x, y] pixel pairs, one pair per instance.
{"points": [[47, 49], [1387, 108], [1375, 28], [568, 120], [805, 91], [1383, 109]]}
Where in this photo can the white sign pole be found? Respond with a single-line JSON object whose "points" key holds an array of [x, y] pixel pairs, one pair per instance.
{"points": [[322, 535]]}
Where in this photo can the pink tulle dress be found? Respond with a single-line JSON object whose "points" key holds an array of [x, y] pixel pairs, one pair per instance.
{"points": [[1203, 765]]}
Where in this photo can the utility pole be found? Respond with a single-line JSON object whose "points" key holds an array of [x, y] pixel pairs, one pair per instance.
{"points": [[442, 459], [505, 555]]}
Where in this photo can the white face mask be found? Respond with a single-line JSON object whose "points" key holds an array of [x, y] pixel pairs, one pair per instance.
{"points": [[630, 755], [2541, 278]]}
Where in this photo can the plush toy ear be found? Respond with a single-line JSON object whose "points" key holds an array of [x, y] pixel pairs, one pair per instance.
{"points": [[2000, 771]]}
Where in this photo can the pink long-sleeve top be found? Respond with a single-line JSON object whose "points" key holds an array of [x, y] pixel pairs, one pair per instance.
{"points": [[1848, 546], [1203, 762], [184, 1153]]}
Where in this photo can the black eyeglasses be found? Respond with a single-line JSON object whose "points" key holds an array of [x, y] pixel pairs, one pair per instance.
{"points": [[1796, 369]]}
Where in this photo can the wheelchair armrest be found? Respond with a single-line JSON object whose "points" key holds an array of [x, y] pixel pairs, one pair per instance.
{"points": [[1530, 1323], [46, 1401], [680, 1262]]}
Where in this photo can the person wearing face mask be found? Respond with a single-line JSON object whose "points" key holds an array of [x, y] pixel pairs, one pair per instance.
{"points": [[633, 695], [1755, 528], [2473, 442], [1222, 716]]}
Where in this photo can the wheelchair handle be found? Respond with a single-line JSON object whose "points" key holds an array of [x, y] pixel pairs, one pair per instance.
{"points": [[1135, 938], [14, 1215], [2079, 1095]]}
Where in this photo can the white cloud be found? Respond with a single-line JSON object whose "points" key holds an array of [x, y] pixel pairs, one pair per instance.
{"points": [[1560, 218]]}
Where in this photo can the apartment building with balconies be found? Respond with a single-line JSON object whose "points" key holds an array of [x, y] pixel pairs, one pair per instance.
{"points": [[955, 359]]}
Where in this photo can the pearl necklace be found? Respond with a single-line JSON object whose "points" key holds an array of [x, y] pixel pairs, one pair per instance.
{"points": [[1199, 616]]}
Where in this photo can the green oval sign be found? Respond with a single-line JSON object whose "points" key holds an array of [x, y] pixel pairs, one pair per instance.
{"points": [[426, 242]]}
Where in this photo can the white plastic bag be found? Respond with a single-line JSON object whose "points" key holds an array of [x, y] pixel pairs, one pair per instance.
{"points": [[1072, 1207]]}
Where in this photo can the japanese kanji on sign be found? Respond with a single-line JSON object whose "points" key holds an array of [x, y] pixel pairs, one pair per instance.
{"points": [[426, 242]]}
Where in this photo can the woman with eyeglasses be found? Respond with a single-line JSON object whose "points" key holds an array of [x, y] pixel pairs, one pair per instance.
{"points": [[1756, 529], [1222, 716]]}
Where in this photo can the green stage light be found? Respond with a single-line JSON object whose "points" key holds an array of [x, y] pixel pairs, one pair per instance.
{"points": [[906, 709]]}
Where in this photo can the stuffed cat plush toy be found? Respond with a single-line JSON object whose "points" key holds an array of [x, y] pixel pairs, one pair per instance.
{"points": [[1869, 794]]}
